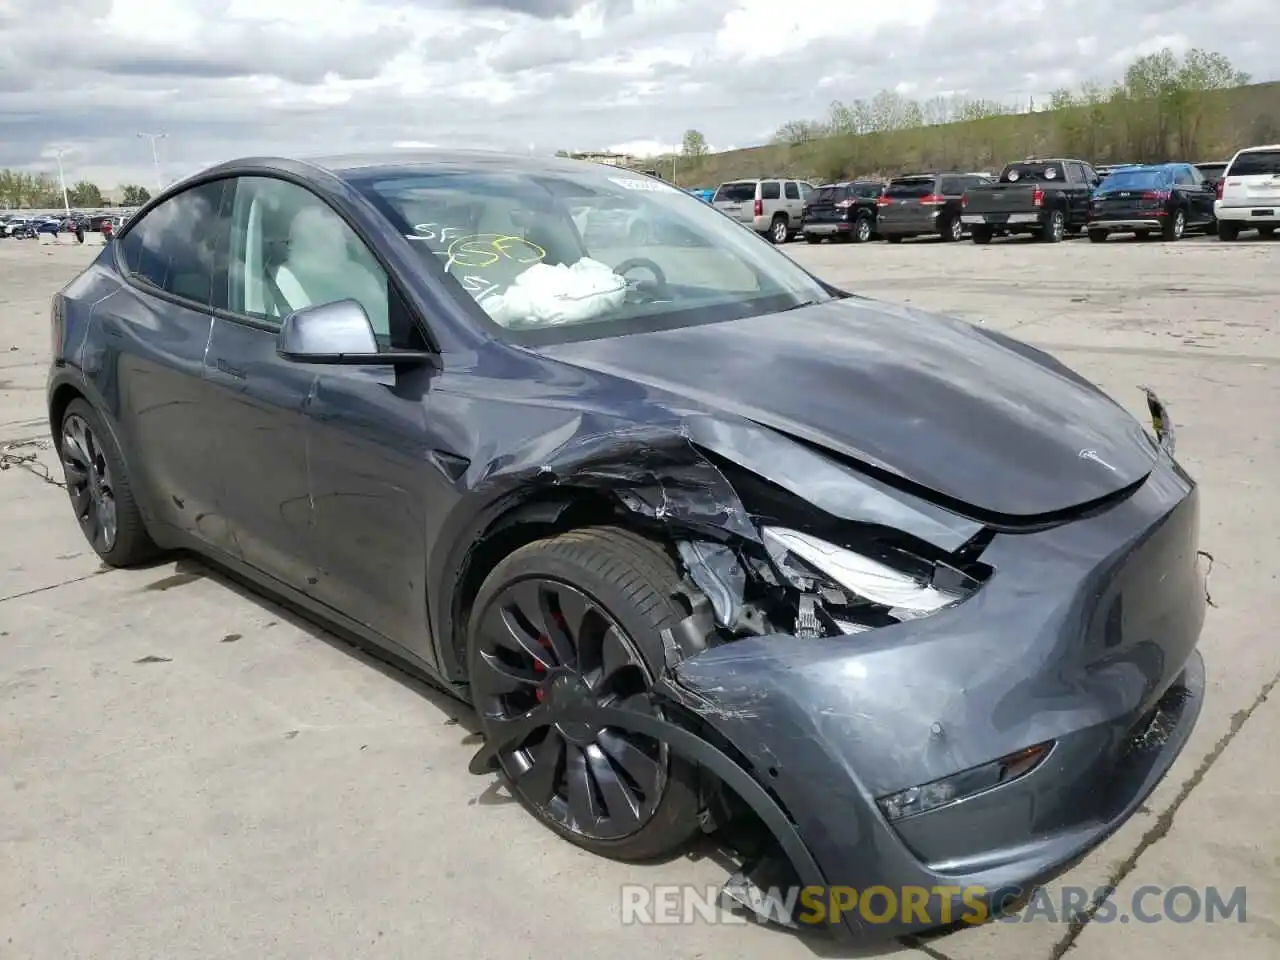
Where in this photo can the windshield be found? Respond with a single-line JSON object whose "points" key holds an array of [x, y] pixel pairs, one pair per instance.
{"points": [[585, 252], [737, 192], [1032, 172], [1136, 180]]}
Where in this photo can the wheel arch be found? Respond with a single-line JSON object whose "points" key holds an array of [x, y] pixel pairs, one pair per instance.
{"points": [[506, 527]]}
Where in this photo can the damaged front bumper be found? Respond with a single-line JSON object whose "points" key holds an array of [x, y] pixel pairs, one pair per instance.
{"points": [[1082, 644]]}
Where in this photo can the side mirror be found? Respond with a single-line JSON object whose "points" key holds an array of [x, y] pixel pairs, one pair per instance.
{"points": [[337, 333]]}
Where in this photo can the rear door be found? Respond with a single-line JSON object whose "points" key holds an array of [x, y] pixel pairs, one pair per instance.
{"points": [[1253, 180], [793, 201], [903, 206], [736, 199], [151, 361], [824, 204]]}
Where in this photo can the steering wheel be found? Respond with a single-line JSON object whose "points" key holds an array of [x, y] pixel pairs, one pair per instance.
{"points": [[656, 288]]}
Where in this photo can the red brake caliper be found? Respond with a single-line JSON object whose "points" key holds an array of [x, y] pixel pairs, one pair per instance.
{"points": [[545, 643]]}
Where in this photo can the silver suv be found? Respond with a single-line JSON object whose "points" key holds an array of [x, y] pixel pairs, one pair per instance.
{"points": [[773, 206]]}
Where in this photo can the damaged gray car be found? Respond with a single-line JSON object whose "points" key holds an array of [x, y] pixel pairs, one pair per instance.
{"points": [[703, 539]]}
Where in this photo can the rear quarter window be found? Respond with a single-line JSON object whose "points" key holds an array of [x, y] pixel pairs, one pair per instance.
{"points": [[737, 192], [1256, 163]]}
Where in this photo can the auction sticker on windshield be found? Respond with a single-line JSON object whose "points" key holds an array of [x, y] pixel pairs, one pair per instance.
{"points": [[648, 186]]}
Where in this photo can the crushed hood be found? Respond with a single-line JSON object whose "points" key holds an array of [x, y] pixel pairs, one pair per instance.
{"points": [[970, 417]]}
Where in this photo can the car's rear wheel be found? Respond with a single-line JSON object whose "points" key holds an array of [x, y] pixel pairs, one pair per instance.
{"points": [[1266, 232], [812, 238], [1055, 228], [1174, 227], [861, 230], [98, 486], [981, 234], [779, 230], [1228, 230], [576, 620], [893, 238], [1097, 236], [952, 230]]}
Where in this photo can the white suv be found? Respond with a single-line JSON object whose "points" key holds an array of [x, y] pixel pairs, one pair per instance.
{"points": [[773, 206], [1249, 193]]}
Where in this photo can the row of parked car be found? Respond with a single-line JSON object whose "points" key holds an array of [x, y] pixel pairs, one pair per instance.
{"points": [[1049, 199], [29, 226]]}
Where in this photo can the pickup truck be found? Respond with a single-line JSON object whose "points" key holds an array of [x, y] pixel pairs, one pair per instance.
{"points": [[1045, 198]]}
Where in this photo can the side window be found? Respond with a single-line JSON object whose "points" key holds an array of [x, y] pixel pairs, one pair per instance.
{"points": [[289, 250], [172, 247], [769, 190], [1182, 176], [1075, 175], [1090, 175], [950, 186], [793, 190], [806, 190]]}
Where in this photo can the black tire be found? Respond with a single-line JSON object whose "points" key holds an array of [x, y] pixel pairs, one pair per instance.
{"points": [[1174, 227], [862, 230], [1228, 230], [635, 582], [779, 229], [130, 544], [893, 238], [1055, 227], [1141, 235], [812, 238], [981, 234], [1266, 232], [1097, 236], [951, 229]]}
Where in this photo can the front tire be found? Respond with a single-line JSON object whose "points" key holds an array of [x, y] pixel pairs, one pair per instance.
{"points": [[571, 619], [99, 488]]}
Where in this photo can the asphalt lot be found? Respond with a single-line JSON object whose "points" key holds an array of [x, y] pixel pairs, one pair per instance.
{"points": [[192, 772]]}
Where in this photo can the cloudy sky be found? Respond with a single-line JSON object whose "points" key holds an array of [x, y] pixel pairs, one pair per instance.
{"points": [[225, 78]]}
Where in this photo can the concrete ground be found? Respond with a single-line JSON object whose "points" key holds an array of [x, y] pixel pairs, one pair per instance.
{"points": [[189, 771]]}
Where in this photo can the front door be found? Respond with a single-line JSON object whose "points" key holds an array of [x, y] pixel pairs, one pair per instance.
{"points": [[340, 451]]}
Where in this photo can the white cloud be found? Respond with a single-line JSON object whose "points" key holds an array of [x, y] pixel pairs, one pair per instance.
{"points": [[232, 77]]}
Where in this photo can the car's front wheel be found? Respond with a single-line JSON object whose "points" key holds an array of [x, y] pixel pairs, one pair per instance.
{"points": [[99, 488], [562, 624]]}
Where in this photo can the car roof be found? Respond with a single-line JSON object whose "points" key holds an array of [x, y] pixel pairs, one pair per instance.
{"points": [[353, 165]]}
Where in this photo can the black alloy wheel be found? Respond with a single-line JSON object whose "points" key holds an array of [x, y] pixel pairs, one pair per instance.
{"points": [[90, 483], [545, 646]]}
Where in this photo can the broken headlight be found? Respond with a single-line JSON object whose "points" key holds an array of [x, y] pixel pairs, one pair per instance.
{"points": [[844, 591]]}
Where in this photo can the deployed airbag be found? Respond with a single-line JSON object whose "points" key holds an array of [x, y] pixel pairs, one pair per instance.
{"points": [[550, 295]]}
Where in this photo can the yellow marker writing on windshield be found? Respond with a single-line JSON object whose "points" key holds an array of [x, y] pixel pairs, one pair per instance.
{"points": [[485, 249]]}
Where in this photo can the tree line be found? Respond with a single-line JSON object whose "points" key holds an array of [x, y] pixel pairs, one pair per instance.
{"points": [[1165, 107], [39, 191]]}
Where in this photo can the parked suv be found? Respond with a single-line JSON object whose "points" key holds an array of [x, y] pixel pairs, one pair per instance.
{"points": [[924, 204], [842, 211], [1249, 193], [773, 206]]}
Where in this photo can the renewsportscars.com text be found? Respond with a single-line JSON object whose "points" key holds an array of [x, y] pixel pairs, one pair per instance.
{"points": [[940, 906]]}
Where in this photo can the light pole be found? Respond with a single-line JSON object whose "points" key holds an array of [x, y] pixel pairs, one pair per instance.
{"points": [[155, 154], [62, 180]]}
